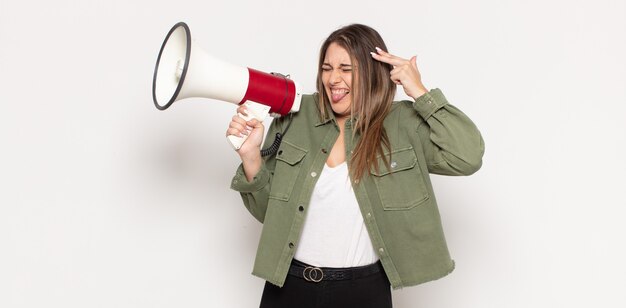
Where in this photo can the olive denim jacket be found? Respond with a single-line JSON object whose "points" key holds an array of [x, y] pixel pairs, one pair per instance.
{"points": [[397, 203]]}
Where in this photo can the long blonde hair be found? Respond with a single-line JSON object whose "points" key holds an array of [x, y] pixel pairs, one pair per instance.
{"points": [[372, 94]]}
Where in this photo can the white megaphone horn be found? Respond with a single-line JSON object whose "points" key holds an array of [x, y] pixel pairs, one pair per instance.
{"points": [[185, 70]]}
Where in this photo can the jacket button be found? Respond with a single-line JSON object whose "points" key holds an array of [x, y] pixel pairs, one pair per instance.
{"points": [[290, 245], [381, 250], [301, 208], [324, 151], [394, 164], [280, 152], [313, 174], [369, 215]]}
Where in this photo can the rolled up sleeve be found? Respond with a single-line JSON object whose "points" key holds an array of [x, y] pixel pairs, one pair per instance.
{"points": [[240, 182]]}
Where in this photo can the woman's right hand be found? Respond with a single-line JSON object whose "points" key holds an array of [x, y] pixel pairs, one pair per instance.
{"points": [[251, 148]]}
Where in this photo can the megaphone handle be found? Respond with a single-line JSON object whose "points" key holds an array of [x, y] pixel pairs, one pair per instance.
{"points": [[255, 111]]}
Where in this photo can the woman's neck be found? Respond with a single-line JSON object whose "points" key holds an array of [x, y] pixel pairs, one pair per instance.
{"points": [[341, 121]]}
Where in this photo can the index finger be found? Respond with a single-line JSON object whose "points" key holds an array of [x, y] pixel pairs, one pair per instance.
{"points": [[242, 109], [395, 61]]}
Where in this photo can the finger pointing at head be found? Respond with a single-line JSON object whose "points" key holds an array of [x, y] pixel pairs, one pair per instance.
{"points": [[385, 57]]}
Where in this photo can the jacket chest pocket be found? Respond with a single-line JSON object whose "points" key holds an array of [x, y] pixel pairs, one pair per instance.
{"points": [[288, 164], [400, 183]]}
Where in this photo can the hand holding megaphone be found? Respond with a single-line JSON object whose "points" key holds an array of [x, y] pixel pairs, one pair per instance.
{"points": [[185, 70], [250, 130]]}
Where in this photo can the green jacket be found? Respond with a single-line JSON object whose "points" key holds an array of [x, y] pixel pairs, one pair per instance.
{"points": [[397, 203]]}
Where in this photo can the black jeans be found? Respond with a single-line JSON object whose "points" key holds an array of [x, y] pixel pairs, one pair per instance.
{"points": [[371, 291]]}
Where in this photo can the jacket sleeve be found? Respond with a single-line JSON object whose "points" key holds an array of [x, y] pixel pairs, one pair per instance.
{"points": [[452, 143], [255, 194]]}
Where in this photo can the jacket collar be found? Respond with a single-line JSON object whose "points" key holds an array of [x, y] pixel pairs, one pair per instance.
{"points": [[330, 117]]}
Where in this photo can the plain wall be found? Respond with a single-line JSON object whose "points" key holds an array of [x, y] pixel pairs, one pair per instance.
{"points": [[107, 202]]}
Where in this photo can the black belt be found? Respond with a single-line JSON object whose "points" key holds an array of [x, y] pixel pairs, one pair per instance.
{"points": [[317, 274]]}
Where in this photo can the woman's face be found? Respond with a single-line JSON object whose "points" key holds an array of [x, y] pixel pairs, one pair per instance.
{"points": [[337, 79]]}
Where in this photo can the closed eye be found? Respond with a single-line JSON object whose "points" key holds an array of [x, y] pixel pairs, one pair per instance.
{"points": [[346, 68]]}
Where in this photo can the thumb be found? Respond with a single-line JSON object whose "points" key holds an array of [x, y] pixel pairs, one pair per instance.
{"points": [[414, 61]]}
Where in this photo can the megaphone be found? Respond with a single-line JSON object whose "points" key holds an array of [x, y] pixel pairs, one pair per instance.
{"points": [[184, 70]]}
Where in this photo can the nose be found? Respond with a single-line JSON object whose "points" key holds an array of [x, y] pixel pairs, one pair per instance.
{"points": [[335, 77]]}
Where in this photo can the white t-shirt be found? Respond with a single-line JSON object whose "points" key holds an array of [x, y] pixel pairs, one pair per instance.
{"points": [[334, 234]]}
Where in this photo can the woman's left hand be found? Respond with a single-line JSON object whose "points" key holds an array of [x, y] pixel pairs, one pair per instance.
{"points": [[404, 72]]}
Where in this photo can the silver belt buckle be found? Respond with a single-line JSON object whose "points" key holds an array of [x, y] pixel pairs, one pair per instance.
{"points": [[313, 274]]}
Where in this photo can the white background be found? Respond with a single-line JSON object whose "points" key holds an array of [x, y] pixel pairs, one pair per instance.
{"points": [[107, 202]]}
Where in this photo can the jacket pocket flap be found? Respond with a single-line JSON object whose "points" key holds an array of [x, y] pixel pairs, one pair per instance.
{"points": [[400, 159], [290, 153]]}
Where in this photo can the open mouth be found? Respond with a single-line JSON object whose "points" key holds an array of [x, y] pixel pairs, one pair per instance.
{"points": [[338, 94]]}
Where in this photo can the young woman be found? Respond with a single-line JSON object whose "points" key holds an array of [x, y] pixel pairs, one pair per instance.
{"points": [[347, 203]]}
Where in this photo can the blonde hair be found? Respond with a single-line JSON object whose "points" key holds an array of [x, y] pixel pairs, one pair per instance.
{"points": [[372, 94]]}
